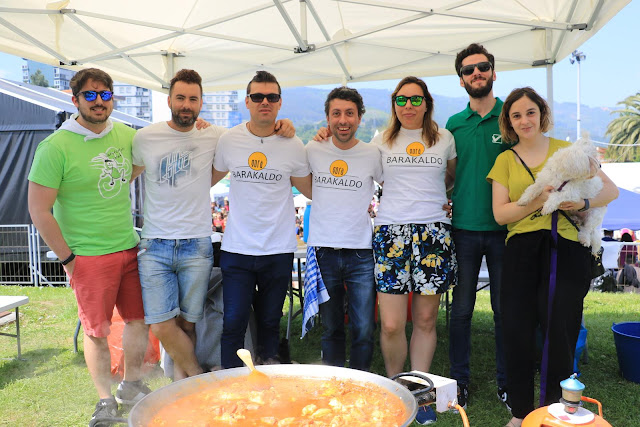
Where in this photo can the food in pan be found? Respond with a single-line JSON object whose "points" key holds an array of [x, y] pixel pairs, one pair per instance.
{"points": [[288, 402]]}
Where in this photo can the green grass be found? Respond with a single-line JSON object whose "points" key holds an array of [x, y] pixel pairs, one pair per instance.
{"points": [[51, 386]]}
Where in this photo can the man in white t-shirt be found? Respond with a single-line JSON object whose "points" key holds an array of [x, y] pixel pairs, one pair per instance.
{"points": [[344, 170], [176, 254], [259, 240]]}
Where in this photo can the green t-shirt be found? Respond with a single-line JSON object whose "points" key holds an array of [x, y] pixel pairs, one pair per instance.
{"points": [[93, 207], [478, 143], [509, 172]]}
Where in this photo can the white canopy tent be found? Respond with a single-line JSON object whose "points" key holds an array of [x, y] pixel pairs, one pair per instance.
{"points": [[302, 42]]}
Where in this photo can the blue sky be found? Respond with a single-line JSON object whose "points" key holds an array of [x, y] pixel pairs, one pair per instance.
{"points": [[608, 75]]}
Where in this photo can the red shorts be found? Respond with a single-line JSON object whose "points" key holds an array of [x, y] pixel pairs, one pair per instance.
{"points": [[102, 281]]}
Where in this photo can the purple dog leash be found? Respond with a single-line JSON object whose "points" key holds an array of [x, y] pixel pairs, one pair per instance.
{"points": [[544, 366]]}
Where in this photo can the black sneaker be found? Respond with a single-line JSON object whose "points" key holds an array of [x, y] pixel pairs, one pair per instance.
{"points": [[106, 411], [504, 397], [130, 392], [463, 397]]}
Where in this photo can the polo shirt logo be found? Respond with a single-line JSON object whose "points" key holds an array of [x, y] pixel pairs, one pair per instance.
{"points": [[415, 149], [496, 138], [338, 168], [257, 161]]}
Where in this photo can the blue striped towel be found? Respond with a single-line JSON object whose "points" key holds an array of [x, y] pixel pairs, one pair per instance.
{"points": [[315, 292]]}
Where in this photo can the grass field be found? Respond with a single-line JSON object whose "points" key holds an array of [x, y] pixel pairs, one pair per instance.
{"points": [[51, 386]]}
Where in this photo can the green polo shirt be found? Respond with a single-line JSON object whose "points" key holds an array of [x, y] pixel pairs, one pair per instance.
{"points": [[478, 143], [93, 206]]}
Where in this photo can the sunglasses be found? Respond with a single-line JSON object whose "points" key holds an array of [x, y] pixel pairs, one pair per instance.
{"points": [[259, 97], [91, 95], [483, 67], [401, 101]]}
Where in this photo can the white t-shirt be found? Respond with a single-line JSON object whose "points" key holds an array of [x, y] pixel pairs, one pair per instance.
{"points": [[342, 190], [414, 189], [261, 217], [177, 180]]}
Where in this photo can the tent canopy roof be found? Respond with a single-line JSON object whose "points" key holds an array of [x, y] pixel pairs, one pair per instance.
{"points": [[302, 42]]}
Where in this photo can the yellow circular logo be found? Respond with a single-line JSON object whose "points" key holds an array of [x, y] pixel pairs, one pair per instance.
{"points": [[338, 168], [415, 149], [257, 161]]}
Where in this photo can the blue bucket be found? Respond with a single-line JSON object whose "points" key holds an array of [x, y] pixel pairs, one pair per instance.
{"points": [[627, 338]]}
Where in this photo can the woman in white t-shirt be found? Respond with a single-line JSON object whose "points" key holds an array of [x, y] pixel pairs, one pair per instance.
{"points": [[412, 241]]}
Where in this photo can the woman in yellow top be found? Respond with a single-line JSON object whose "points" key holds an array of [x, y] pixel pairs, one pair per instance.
{"points": [[526, 264]]}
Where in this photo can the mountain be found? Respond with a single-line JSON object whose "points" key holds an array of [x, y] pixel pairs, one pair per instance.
{"points": [[305, 107]]}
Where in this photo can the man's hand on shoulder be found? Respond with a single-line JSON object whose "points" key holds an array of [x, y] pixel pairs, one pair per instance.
{"points": [[285, 128], [322, 135], [202, 123]]}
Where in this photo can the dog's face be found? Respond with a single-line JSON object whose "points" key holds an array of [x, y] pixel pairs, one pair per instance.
{"points": [[595, 167], [577, 161]]}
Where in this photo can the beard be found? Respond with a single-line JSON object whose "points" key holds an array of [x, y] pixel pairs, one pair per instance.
{"points": [[480, 92], [89, 119], [186, 121]]}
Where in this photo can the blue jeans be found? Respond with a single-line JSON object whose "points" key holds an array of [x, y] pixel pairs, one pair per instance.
{"points": [[174, 274], [241, 274], [353, 268], [470, 247]]}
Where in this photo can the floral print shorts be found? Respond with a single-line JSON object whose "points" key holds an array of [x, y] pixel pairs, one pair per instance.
{"points": [[417, 258]]}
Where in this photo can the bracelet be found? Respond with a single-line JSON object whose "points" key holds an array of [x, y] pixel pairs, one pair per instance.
{"points": [[69, 259], [586, 206]]}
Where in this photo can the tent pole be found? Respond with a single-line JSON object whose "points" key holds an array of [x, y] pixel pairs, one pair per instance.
{"points": [[325, 33], [302, 45], [550, 96], [171, 57], [303, 20], [549, 67]]}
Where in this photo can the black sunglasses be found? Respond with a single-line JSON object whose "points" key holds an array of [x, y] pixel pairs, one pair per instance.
{"points": [[259, 97], [91, 95], [483, 67], [401, 101]]}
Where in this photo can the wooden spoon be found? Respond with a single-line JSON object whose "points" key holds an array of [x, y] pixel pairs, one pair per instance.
{"points": [[258, 379]]}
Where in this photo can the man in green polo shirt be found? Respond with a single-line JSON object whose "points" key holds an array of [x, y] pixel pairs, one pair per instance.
{"points": [[82, 171], [475, 232]]}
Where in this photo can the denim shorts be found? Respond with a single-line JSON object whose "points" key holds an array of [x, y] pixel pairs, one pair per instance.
{"points": [[174, 274]]}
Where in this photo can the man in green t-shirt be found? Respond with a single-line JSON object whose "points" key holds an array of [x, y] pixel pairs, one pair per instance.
{"points": [[83, 171], [475, 232]]}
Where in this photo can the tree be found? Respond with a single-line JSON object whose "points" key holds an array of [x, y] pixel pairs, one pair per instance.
{"points": [[38, 79], [625, 130]]}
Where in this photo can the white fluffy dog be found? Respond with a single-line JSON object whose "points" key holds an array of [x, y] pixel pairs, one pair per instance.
{"points": [[576, 165]]}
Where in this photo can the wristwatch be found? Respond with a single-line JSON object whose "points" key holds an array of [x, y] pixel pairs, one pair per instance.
{"points": [[586, 206], [68, 259]]}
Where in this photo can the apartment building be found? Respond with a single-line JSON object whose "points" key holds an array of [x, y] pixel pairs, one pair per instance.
{"points": [[221, 108], [133, 100], [55, 77]]}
